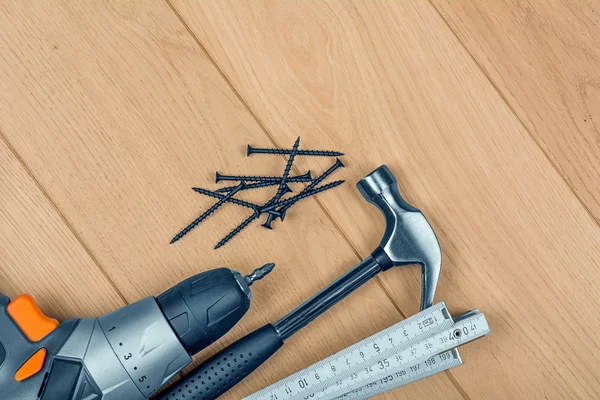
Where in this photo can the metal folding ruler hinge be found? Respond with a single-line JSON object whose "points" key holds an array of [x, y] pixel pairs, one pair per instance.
{"points": [[413, 349]]}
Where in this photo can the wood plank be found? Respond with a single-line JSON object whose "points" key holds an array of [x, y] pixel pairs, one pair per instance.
{"points": [[122, 114], [40, 254], [543, 57], [389, 82]]}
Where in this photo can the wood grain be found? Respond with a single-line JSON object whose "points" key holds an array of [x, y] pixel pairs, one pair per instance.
{"points": [[111, 111], [118, 112], [389, 82], [40, 254], [544, 57]]}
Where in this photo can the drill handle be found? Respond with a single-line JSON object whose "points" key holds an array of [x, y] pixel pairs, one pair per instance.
{"points": [[228, 367]]}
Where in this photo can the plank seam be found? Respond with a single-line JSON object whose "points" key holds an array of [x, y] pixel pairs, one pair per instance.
{"points": [[457, 385], [461, 391], [517, 116], [62, 217], [274, 142]]}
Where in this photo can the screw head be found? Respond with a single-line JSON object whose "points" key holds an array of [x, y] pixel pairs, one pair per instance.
{"points": [[287, 189], [268, 222]]}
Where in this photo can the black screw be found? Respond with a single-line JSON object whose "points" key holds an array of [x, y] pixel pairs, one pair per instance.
{"points": [[286, 189], [248, 187], [274, 199], [205, 215], [317, 153], [237, 229], [319, 179], [300, 196], [286, 172], [233, 200], [307, 177]]}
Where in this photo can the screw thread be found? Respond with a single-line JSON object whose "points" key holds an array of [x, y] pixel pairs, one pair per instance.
{"points": [[254, 178], [207, 213], [286, 171], [323, 153], [302, 195], [230, 199], [314, 153], [319, 179], [248, 187], [236, 230]]}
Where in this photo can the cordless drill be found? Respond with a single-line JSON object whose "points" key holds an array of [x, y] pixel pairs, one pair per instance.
{"points": [[125, 355]]}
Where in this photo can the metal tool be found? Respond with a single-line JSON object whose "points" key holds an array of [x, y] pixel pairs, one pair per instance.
{"points": [[275, 199], [286, 174], [232, 200], [208, 212], [125, 355], [316, 153], [338, 164], [307, 177], [401, 377], [256, 185], [408, 239], [410, 350], [272, 209]]}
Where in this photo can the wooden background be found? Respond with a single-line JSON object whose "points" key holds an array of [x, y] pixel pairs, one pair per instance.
{"points": [[487, 111]]}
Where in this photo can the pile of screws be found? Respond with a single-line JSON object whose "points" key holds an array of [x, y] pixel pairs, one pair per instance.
{"points": [[276, 207]]}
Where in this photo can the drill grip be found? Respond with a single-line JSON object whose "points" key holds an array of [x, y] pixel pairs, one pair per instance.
{"points": [[228, 367]]}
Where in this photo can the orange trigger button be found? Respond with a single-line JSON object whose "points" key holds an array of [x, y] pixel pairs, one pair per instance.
{"points": [[31, 366], [30, 319]]}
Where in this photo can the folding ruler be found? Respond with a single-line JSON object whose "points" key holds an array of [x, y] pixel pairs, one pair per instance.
{"points": [[413, 349]]}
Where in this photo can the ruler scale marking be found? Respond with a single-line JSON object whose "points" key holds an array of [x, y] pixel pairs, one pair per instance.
{"points": [[402, 377], [436, 344], [359, 355], [404, 348]]}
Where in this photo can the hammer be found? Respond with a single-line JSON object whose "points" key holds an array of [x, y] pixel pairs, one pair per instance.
{"points": [[408, 239]]}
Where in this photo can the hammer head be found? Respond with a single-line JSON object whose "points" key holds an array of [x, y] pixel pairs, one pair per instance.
{"points": [[408, 237]]}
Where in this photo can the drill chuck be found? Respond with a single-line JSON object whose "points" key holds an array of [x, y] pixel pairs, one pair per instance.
{"points": [[204, 307]]}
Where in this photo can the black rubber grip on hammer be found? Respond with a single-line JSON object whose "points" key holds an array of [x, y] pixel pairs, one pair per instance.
{"points": [[228, 367]]}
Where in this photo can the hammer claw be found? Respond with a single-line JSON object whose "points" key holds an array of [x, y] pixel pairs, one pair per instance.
{"points": [[408, 237]]}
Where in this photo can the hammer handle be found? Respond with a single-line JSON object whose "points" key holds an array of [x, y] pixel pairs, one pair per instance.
{"points": [[228, 367], [328, 297]]}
